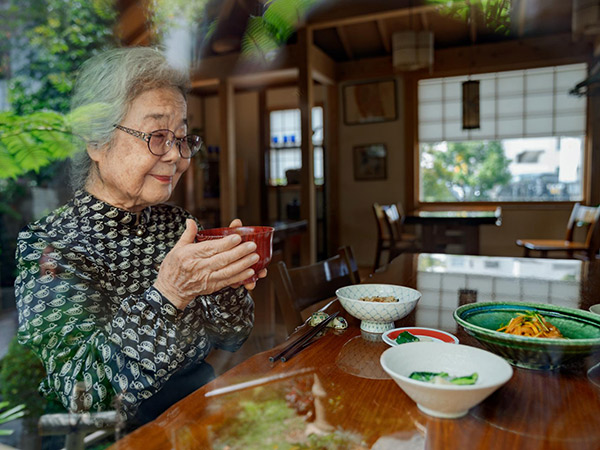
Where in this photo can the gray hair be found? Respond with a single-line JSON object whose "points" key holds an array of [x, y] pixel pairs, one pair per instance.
{"points": [[106, 86]]}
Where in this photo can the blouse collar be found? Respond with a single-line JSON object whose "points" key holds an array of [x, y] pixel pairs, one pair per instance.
{"points": [[86, 205]]}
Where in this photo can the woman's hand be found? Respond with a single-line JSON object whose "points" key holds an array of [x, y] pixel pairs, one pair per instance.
{"points": [[263, 273], [201, 268]]}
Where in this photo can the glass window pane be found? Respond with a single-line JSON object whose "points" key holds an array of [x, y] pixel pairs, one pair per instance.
{"points": [[487, 88], [569, 124], [510, 106], [429, 112], [509, 85], [539, 81], [453, 131], [453, 110], [510, 127], [453, 90], [430, 132], [539, 103], [530, 115], [538, 126], [430, 90]]}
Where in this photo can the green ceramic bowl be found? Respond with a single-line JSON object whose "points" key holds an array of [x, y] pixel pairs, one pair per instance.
{"points": [[581, 329]]}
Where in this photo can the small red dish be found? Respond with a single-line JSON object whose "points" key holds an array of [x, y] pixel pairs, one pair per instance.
{"points": [[261, 236], [427, 334]]}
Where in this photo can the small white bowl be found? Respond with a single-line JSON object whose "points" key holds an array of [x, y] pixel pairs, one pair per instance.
{"points": [[595, 308], [445, 401], [377, 317]]}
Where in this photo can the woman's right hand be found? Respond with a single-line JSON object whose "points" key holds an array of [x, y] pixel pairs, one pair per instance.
{"points": [[200, 268]]}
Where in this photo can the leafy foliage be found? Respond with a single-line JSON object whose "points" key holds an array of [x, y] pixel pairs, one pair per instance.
{"points": [[52, 39], [494, 14], [167, 13], [29, 142], [7, 415], [265, 34], [20, 376], [465, 171]]}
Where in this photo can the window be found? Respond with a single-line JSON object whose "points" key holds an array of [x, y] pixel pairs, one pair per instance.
{"points": [[285, 153], [529, 147]]}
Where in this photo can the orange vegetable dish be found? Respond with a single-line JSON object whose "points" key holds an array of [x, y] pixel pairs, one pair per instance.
{"points": [[531, 324]]}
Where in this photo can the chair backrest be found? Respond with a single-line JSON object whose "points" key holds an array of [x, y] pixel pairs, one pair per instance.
{"points": [[383, 229], [300, 287], [394, 221], [586, 217]]}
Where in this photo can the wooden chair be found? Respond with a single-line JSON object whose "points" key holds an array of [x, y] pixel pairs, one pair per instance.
{"points": [[581, 216], [299, 288], [389, 235], [395, 214]]}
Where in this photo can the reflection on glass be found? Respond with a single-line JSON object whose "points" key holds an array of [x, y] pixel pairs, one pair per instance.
{"points": [[444, 279], [360, 357], [288, 414]]}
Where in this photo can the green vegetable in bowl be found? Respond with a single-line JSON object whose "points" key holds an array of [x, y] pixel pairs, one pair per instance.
{"points": [[444, 378], [405, 337]]}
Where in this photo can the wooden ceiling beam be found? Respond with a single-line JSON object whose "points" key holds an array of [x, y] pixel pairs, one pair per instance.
{"points": [[481, 58], [319, 25], [245, 74], [323, 67], [344, 40], [384, 35]]}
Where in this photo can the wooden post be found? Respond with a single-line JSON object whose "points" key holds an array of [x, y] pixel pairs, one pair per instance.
{"points": [[332, 173], [411, 122], [308, 202], [227, 155]]}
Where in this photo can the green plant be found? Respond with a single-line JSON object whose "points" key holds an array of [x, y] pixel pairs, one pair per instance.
{"points": [[7, 415], [464, 171], [20, 376], [30, 142], [54, 37], [265, 34], [494, 14]]}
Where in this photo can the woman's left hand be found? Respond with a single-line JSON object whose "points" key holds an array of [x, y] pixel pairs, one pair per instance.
{"points": [[263, 273]]}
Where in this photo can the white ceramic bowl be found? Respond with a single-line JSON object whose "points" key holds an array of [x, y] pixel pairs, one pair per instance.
{"points": [[377, 317], [445, 401], [595, 308]]}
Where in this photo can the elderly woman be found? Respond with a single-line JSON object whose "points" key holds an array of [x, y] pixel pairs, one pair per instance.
{"points": [[113, 291]]}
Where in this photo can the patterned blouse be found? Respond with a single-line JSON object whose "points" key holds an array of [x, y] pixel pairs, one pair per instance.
{"points": [[87, 307]]}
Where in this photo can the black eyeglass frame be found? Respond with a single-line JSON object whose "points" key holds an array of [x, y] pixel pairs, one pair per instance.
{"points": [[146, 137]]}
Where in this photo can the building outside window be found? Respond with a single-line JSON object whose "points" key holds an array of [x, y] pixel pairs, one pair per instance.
{"points": [[530, 146]]}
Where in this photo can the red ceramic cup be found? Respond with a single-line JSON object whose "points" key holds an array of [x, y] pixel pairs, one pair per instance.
{"points": [[261, 236]]}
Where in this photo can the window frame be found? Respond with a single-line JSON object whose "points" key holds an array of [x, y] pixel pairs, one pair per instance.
{"points": [[269, 143], [411, 125]]}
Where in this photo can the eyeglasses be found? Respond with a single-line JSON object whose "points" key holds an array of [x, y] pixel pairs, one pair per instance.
{"points": [[160, 141]]}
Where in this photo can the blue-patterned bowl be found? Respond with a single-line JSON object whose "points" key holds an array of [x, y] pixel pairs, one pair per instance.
{"points": [[580, 328], [377, 317]]}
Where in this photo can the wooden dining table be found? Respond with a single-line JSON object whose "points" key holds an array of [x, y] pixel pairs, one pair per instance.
{"points": [[335, 395]]}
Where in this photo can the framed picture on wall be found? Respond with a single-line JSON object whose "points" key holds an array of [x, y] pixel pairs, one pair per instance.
{"points": [[370, 162], [369, 102]]}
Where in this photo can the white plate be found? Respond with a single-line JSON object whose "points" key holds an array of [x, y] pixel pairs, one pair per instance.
{"points": [[424, 335]]}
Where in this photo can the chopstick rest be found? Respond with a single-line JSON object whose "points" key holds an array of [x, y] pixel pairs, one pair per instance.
{"points": [[303, 341]]}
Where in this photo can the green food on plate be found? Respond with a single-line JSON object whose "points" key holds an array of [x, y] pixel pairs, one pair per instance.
{"points": [[444, 378], [405, 337]]}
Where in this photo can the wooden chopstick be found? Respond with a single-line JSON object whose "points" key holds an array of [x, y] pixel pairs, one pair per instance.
{"points": [[304, 339]]}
